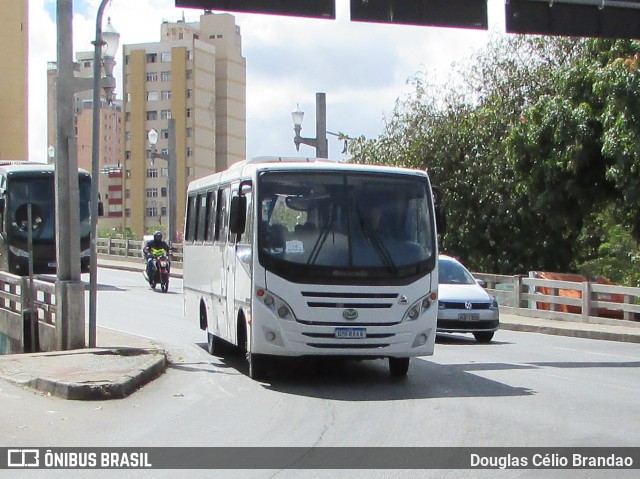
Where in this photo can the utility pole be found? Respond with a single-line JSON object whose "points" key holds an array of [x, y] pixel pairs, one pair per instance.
{"points": [[70, 331]]}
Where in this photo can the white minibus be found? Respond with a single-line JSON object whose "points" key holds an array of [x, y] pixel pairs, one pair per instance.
{"points": [[309, 257]]}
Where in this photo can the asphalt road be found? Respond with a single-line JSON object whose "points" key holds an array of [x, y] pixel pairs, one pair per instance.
{"points": [[523, 389]]}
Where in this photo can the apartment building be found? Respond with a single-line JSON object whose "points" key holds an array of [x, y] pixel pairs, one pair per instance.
{"points": [[110, 151], [196, 75], [14, 52]]}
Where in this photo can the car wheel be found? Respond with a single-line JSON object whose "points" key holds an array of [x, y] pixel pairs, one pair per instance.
{"points": [[483, 336], [398, 367]]}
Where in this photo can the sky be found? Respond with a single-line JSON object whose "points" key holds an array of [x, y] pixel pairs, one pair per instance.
{"points": [[363, 68]]}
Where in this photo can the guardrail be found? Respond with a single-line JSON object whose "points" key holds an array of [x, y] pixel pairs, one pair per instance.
{"points": [[586, 302], [17, 317], [521, 295], [132, 248]]}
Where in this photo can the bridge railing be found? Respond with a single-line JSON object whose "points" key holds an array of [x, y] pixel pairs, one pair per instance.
{"points": [[17, 293], [128, 248], [587, 302]]}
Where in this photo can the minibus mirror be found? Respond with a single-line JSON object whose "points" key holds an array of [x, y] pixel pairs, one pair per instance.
{"points": [[1, 205], [100, 208], [238, 214], [441, 219]]}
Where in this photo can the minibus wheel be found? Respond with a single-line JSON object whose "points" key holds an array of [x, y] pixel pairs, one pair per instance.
{"points": [[398, 367]]}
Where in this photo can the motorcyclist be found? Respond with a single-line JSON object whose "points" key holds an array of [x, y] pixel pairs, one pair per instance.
{"points": [[152, 249]]}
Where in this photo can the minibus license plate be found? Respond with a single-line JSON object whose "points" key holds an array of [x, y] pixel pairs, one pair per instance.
{"points": [[351, 333], [468, 317]]}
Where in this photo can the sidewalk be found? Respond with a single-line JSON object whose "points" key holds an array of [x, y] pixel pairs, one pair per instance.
{"points": [[122, 363]]}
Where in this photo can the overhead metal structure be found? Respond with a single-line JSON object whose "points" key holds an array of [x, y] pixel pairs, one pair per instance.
{"points": [[580, 18]]}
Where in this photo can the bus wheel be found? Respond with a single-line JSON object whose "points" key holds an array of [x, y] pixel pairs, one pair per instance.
{"points": [[214, 345], [398, 367], [257, 366]]}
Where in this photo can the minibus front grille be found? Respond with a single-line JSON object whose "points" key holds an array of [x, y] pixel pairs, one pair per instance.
{"points": [[314, 304], [347, 346], [333, 336], [343, 323], [349, 300], [322, 294]]}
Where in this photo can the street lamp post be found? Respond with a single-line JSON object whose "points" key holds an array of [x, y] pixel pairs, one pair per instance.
{"points": [[320, 141], [106, 43], [170, 158]]}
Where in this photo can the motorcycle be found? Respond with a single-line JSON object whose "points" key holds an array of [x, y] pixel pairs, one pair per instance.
{"points": [[161, 269]]}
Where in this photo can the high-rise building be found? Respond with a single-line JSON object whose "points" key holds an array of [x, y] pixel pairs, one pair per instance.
{"points": [[110, 151], [195, 74], [14, 52]]}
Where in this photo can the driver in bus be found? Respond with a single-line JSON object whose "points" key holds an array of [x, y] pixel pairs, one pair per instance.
{"points": [[156, 245]]}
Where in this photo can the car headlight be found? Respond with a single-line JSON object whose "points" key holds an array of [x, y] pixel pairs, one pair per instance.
{"points": [[19, 252], [494, 303]]}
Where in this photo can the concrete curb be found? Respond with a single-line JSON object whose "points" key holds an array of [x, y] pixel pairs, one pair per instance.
{"points": [[73, 374], [574, 333]]}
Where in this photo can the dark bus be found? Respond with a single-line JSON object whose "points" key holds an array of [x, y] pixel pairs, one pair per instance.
{"points": [[23, 183]]}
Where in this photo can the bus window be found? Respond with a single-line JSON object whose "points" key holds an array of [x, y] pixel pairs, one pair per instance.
{"points": [[202, 217], [222, 217], [192, 218], [211, 216]]}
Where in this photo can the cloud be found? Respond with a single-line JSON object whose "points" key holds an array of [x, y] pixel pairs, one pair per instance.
{"points": [[362, 68]]}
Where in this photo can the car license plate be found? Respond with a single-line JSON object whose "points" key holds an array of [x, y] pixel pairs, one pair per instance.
{"points": [[51, 264], [468, 317], [351, 333]]}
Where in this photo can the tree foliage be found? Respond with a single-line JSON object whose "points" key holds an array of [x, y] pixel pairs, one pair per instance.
{"points": [[537, 138]]}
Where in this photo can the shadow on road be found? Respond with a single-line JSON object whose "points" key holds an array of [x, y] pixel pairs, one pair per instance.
{"points": [[369, 380]]}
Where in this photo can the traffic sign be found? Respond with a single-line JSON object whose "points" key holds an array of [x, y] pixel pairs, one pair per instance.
{"points": [[582, 18]]}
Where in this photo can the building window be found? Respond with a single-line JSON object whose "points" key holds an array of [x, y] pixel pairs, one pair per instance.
{"points": [[152, 192], [189, 171], [127, 212], [151, 211], [127, 116], [152, 57], [189, 132], [127, 155], [164, 133], [189, 112], [127, 58], [189, 93], [165, 76], [189, 151], [152, 96], [127, 194], [163, 192], [189, 54], [152, 115], [128, 174], [152, 76], [165, 57], [165, 114], [152, 172], [163, 211], [189, 74], [86, 64], [164, 151], [165, 95], [127, 135]]}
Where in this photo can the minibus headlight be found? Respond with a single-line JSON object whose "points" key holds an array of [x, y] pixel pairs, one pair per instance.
{"points": [[275, 304], [420, 307]]}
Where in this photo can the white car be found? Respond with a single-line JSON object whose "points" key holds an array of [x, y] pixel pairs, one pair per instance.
{"points": [[463, 304]]}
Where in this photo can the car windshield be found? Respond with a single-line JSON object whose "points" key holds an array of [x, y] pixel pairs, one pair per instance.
{"points": [[348, 225], [451, 272], [38, 191]]}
